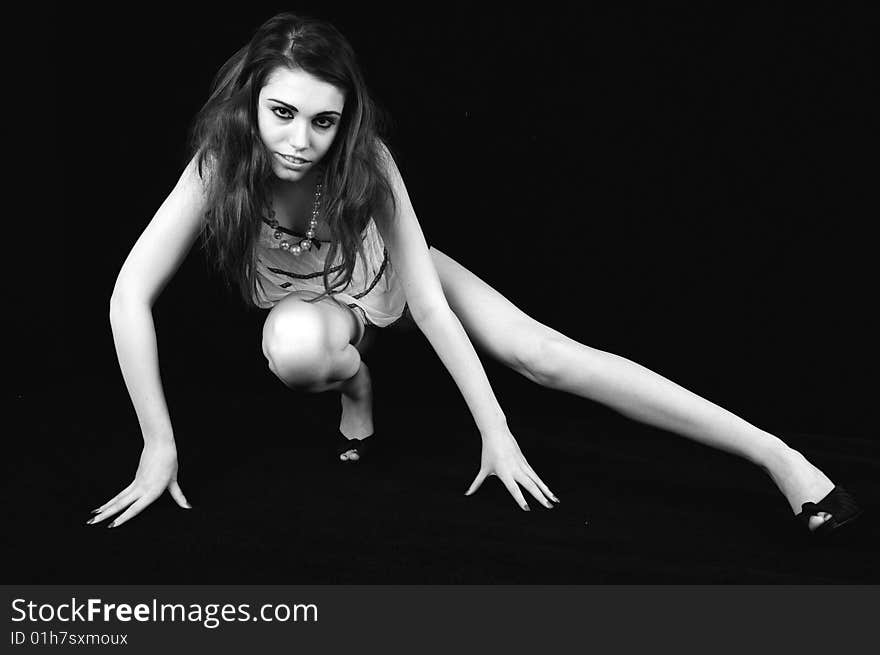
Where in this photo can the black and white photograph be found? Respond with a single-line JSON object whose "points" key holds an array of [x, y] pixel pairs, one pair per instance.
{"points": [[334, 294]]}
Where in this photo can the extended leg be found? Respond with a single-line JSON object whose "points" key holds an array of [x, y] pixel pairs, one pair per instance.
{"points": [[550, 358]]}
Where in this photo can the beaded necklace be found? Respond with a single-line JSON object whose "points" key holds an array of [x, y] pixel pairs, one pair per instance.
{"points": [[305, 244]]}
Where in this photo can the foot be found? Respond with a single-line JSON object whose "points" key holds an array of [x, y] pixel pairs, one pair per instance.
{"points": [[357, 410], [800, 482]]}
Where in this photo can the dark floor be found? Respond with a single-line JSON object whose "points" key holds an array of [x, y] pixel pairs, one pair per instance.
{"points": [[272, 506]]}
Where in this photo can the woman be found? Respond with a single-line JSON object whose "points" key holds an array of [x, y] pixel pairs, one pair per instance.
{"points": [[303, 209]]}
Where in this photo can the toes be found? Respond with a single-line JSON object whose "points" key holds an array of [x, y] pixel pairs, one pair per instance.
{"points": [[818, 519]]}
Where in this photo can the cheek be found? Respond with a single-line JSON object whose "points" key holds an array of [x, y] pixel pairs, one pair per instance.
{"points": [[326, 140], [267, 132]]}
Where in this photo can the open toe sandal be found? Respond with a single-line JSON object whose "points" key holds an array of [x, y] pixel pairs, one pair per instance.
{"points": [[840, 504], [361, 446]]}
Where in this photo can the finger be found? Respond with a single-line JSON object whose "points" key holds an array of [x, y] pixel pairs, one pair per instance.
{"points": [[481, 475], [118, 506], [114, 499], [533, 489], [544, 488], [514, 490], [177, 495], [134, 510]]}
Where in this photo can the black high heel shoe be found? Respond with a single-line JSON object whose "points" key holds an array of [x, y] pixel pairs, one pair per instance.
{"points": [[840, 504], [360, 446]]}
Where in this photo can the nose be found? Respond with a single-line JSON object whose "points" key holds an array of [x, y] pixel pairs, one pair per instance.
{"points": [[299, 134]]}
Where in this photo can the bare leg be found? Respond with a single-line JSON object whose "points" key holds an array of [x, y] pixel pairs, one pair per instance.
{"points": [[550, 358], [308, 346]]}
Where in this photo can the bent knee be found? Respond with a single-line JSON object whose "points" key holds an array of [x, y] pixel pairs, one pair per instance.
{"points": [[296, 346]]}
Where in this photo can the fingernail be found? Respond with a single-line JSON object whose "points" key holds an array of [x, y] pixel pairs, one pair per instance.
{"points": [[112, 525], [95, 511], [527, 508], [188, 506], [91, 520]]}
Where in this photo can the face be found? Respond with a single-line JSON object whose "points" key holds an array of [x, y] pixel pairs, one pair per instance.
{"points": [[298, 117]]}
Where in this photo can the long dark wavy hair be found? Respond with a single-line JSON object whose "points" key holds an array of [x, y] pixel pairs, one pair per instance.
{"points": [[237, 168]]}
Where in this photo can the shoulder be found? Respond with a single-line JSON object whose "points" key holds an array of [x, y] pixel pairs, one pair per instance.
{"points": [[386, 163], [394, 187], [203, 166], [383, 151]]}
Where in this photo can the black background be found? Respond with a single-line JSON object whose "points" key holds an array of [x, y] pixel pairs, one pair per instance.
{"points": [[691, 190]]}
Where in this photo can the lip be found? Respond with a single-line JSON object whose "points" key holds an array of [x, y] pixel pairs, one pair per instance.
{"points": [[293, 162]]}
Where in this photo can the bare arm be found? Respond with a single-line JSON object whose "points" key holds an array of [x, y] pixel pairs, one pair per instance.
{"points": [[152, 262], [409, 254]]}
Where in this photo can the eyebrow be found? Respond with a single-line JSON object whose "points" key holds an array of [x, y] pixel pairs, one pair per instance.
{"points": [[292, 108]]}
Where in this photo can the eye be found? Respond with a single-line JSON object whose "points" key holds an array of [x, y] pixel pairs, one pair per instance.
{"points": [[325, 123], [282, 112]]}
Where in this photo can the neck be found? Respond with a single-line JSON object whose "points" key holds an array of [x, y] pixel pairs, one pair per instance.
{"points": [[289, 190]]}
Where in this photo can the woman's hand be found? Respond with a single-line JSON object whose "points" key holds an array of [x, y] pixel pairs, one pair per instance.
{"points": [[157, 471], [502, 457]]}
